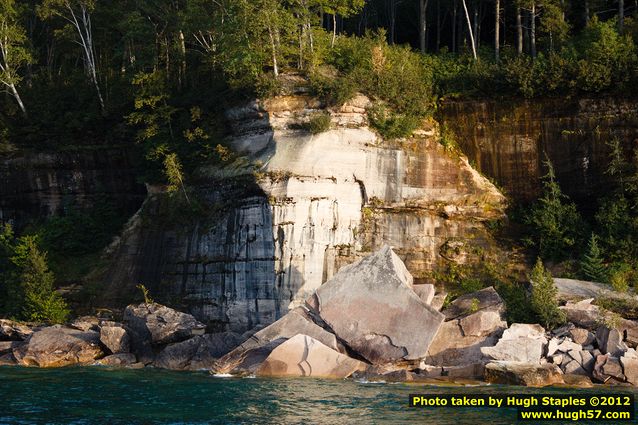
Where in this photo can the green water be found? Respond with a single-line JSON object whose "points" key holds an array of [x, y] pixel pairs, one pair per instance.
{"points": [[99, 396]]}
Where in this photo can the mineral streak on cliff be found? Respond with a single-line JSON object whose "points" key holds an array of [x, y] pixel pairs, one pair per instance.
{"points": [[507, 140], [316, 203]]}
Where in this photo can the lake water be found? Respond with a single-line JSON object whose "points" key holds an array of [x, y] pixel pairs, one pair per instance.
{"points": [[96, 396]]}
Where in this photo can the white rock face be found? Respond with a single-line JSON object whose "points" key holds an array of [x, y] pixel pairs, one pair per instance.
{"points": [[315, 204]]}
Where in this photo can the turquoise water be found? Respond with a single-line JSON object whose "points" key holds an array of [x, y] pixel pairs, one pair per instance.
{"points": [[98, 396]]}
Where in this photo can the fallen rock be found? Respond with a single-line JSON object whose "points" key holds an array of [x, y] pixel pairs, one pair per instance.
{"points": [[197, 353], [178, 356], [630, 368], [582, 336], [302, 355], [8, 346], [606, 368], [14, 331], [583, 313], [610, 341], [520, 343], [425, 292], [57, 346], [245, 361], [86, 323], [485, 299], [161, 324], [438, 300], [7, 360], [115, 337], [578, 381], [520, 373], [117, 360], [482, 323], [371, 306], [572, 367]]}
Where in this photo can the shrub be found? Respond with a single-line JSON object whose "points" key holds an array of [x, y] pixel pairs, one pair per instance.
{"points": [[392, 125], [544, 298], [319, 122]]}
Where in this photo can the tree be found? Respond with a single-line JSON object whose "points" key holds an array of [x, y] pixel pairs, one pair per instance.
{"points": [[174, 174], [40, 302], [591, 265], [13, 53], [545, 296], [497, 30], [469, 28], [343, 8], [77, 14], [423, 7], [554, 219]]}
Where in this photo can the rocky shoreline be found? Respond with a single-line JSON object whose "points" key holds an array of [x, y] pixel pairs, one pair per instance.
{"points": [[368, 322]]}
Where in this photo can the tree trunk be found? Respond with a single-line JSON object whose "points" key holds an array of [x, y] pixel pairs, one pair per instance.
{"points": [[423, 5], [273, 46], [621, 15], [469, 28], [519, 32], [16, 95], [586, 11], [334, 29], [497, 31], [438, 25], [454, 19], [532, 29]]}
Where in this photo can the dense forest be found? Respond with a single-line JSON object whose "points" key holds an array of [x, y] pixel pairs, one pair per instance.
{"points": [[158, 73]]}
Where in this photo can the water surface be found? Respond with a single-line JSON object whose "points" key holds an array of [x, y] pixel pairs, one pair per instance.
{"points": [[98, 396]]}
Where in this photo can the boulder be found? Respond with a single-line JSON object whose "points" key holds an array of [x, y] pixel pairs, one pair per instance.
{"points": [[57, 346], [520, 343], [115, 337], [582, 336], [425, 292], [520, 373], [583, 313], [178, 356], [86, 323], [161, 324], [297, 321], [577, 381], [303, 355], [630, 368], [485, 299], [117, 360], [630, 330], [14, 331], [371, 306], [245, 361], [482, 323], [8, 346], [438, 300], [610, 341], [7, 360], [572, 367], [606, 368]]}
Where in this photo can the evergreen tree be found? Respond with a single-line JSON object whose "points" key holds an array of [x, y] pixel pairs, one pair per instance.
{"points": [[545, 296], [554, 219], [591, 266], [40, 302]]}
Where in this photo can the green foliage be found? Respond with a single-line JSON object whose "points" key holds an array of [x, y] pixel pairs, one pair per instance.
{"points": [[146, 294], [554, 220], [591, 265], [28, 282], [319, 122], [544, 299], [392, 125]]}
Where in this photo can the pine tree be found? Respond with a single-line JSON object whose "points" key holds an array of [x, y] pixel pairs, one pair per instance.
{"points": [[40, 302], [545, 296], [591, 266]]}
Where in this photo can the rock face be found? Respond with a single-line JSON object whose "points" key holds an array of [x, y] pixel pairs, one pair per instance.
{"points": [[13, 331], [319, 202], [508, 140], [34, 186], [302, 355], [520, 373], [371, 306], [57, 347], [161, 324]]}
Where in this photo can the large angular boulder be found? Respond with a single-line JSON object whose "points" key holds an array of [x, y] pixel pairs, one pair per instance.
{"points": [[297, 321], [520, 343], [161, 324], [371, 306], [608, 368], [115, 337], [520, 373], [8, 346], [583, 313], [425, 292], [610, 341], [485, 300], [57, 346], [302, 355], [629, 363]]}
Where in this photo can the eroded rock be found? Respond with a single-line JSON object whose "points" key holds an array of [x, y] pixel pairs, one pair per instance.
{"points": [[520, 343], [115, 337], [117, 360], [485, 299], [521, 373], [161, 324], [58, 346]]}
